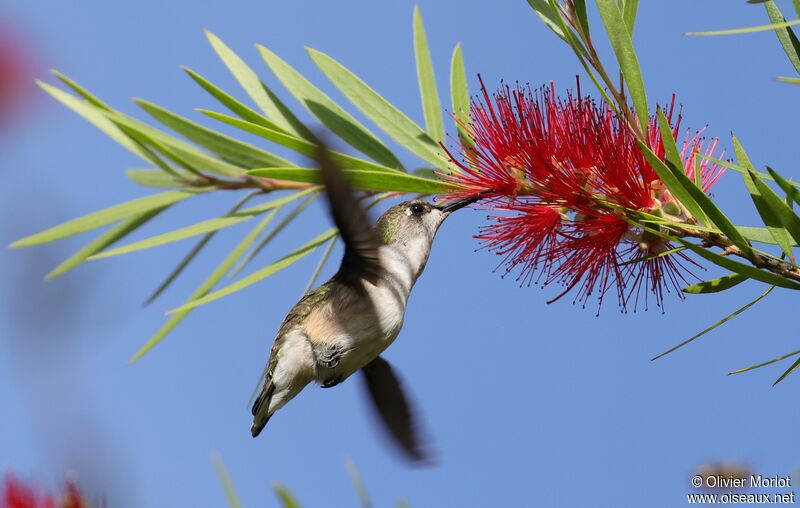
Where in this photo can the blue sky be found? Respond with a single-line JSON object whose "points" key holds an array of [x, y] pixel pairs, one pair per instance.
{"points": [[528, 403]]}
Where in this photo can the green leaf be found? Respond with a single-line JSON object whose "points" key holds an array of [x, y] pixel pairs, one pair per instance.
{"points": [[105, 240], [790, 188], [153, 178], [173, 147], [459, 97], [788, 371], [94, 115], [284, 496], [267, 101], [279, 227], [549, 15], [397, 125], [364, 180], [757, 234], [130, 140], [780, 220], [675, 186], [261, 274], [764, 364], [206, 226], [106, 216], [710, 210], [748, 30], [717, 324], [741, 268], [791, 81], [622, 44], [228, 148], [431, 109], [583, 18], [358, 484], [207, 285], [322, 261], [716, 285], [227, 483], [332, 116], [299, 145], [629, 8], [229, 101], [786, 36], [193, 252]]}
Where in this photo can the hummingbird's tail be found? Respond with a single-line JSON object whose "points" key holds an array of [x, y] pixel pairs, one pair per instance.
{"points": [[261, 413]]}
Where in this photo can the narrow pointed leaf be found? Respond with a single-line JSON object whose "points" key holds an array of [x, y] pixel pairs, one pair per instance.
{"points": [[106, 216], [548, 15], [299, 145], [230, 102], [284, 496], [227, 483], [275, 110], [780, 219], [786, 36], [228, 148], [386, 116], [268, 237], [717, 324], [741, 268], [786, 79], [629, 8], [322, 262], [206, 226], [339, 121], [755, 234], [777, 25], [261, 274], [431, 108], [716, 285], [121, 135], [459, 97], [788, 371], [153, 178], [764, 364], [710, 210], [207, 285], [790, 188], [725, 262], [193, 252], [364, 180], [174, 147], [782, 223], [94, 115], [622, 44], [103, 241], [672, 182]]}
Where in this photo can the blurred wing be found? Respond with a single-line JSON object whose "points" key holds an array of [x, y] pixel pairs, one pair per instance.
{"points": [[394, 409], [361, 259]]}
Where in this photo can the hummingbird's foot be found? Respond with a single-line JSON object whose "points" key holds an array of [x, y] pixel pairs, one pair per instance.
{"points": [[330, 356], [332, 381]]}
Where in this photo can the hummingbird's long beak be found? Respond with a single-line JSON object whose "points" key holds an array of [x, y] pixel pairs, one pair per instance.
{"points": [[459, 203]]}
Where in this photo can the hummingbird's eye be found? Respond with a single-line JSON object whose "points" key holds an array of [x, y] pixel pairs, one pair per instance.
{"points": [[417, 209]]}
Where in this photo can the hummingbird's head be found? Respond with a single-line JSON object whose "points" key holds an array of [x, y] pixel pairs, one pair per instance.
{"points": [[416, 219], [411, 226], [413, 221]]}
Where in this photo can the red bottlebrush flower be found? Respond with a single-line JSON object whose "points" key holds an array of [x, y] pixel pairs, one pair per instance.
{"points": [[19, 495], [16, 73], [525, 239], [564, 166]]}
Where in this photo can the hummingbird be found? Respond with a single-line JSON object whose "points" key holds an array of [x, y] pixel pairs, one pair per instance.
{"points": [[344, 325]]}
